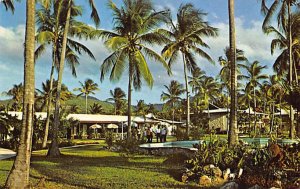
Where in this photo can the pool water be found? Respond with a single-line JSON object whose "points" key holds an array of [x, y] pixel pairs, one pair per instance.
{"points": [[178, 144]]}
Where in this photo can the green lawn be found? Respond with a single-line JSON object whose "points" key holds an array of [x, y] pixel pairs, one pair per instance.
{"points": [[94, 167]]}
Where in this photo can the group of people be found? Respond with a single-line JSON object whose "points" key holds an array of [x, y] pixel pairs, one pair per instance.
{"points": [[160, 132]]}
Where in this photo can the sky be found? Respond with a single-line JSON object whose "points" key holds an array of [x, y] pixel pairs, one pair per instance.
{"points": [[250, 38]]}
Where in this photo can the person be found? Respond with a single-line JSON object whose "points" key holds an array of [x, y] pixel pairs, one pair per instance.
{"points": [[158, 134], [166, 133], [163, 134], [139, 133], [151, 134], [148, 133]]}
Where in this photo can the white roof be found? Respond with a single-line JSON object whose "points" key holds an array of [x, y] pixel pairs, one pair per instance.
{"points": [[283, 112], [251, 111], [219, 110], [98, 118], [39, 115]]}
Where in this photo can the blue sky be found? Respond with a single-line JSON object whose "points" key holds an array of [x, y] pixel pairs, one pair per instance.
{"points": [[249, 38]]}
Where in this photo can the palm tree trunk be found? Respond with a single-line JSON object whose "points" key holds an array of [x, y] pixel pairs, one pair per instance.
{"points": [[129, 99], [272, 119], [187, 99], [249, 117], [254, 98], [54, 150], [49, 100], [232, 137], [19, 174], [86, 103], [292, 126]]}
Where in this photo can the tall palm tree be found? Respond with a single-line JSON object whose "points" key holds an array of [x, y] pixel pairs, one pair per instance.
{"points": [[172, 96], [74, 109], [53, 150], [50, 31], [282, 9], [195, 80], [245, 99], [87, 88], [254, 77], [142, 109], [134, 25], [186, 37], [117, 96], [233, 128], [19, 174], [17, 96]]}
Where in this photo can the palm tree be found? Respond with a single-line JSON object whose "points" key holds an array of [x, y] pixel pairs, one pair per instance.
{"points": [[195, 80], [133, 29], [233, 128], [50, 31], [245, 98], [87, 88], [185, 37], [17, 96], [74, 109], [142, 109], [96, 109], [19, 174], [172, 96], [117, 96], [9, 5], [282, 9], [254, 76], [53, 150]]}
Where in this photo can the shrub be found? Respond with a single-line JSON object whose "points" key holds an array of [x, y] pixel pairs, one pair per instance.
{"points": [[109, 138], [128, 146]]}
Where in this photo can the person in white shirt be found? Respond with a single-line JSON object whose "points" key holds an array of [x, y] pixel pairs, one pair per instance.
{"points": [[163, 133], [158, 134]]}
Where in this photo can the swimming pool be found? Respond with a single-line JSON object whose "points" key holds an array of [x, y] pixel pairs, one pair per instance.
{"points": [[176, 144]]}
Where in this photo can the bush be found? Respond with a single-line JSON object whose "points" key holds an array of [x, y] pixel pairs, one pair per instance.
{"points": [[128, 146], [109, 139]]}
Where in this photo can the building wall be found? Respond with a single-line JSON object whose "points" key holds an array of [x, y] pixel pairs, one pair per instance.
{"points": [[218, 122]]}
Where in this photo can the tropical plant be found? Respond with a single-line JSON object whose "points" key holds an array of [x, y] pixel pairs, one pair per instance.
{"points": [[282, 9], [9, 5], [172, 96], [87, 88], [254, 77], [186, 37], [53, 150], [74, 109], [96, 109], [117, 96], [17, 96], [134, 25], [195, 80], [19, 174]]}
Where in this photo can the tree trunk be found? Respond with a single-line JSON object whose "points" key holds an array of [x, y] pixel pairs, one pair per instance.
{"points": [[233, 130], [19, 174], [272, 119], [254, 98], [292, 126], [187, 99], [54, 150], [249, 117], [86, 104], [49, 100], [129, 99]]}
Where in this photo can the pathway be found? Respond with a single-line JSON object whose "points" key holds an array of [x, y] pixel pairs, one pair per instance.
{"points": [[5, 153]]}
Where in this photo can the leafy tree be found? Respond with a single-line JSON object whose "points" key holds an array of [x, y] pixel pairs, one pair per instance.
{"points": [[87, 88], [19, 174], [17, 96], [133, 30], [117, 96], [96, 109], [254, 77], [186, 37], [172, 96]]}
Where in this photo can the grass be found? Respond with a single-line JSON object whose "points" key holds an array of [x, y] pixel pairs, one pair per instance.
{"points": [[94, 167]]}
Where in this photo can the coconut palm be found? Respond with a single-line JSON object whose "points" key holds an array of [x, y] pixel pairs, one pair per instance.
{"points": [[96, 109], [233, 128], [195, 80], [19, 174], [16, 92], [134, 25], [117, 96], [254, 77], [186, 37], [50, 31], [282, 9], [245, 99], [142, 109], [74, 109], [172, 96], [53, 150], [87, 88]]}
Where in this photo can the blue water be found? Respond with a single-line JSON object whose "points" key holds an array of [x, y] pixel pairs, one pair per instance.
{"points": [[178, 144]]}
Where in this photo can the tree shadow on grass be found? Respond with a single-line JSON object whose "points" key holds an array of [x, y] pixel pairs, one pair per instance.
{"points": [[65, 170]]}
